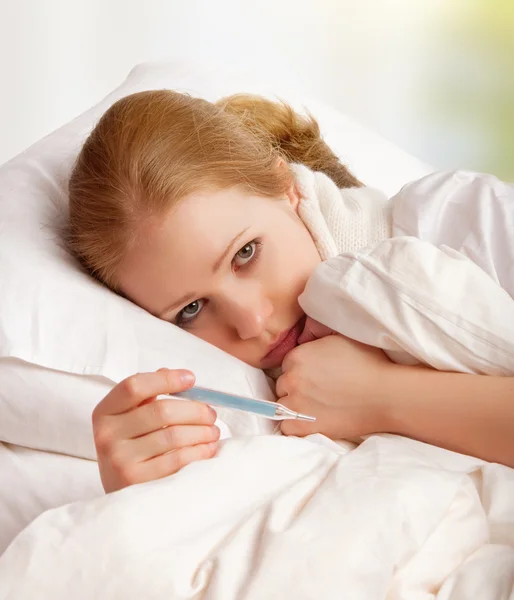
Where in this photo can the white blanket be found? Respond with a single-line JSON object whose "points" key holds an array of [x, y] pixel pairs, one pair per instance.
{"points": [[441, 291], [285, 518]]}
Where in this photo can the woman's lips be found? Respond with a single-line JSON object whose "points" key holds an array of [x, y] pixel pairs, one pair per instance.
{"points": [[285, 343]]}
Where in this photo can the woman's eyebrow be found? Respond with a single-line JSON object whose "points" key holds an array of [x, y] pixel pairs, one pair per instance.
{"points": [[228, 249], [190, 296], [184, 299]]}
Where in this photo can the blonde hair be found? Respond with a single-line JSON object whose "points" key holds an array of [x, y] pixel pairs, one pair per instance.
{"points": [[152, 149]]}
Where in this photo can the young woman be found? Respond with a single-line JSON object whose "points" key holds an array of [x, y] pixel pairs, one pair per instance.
{"points": [[193, 211]]}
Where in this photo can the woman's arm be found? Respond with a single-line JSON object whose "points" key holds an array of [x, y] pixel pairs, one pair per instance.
{"points": [[471, 414], [355, 390]]}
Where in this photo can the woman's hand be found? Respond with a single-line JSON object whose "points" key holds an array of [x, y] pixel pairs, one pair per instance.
{"points": [[139, 438], [337, 380]]}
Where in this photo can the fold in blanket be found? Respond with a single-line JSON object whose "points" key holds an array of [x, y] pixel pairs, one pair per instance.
{"points": [[280, 518]]}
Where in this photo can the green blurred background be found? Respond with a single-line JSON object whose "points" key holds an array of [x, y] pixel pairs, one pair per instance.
{"points": [[468, 96]]}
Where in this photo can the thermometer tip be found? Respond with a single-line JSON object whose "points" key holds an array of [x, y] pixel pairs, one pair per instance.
{"points": [[302, 417]]}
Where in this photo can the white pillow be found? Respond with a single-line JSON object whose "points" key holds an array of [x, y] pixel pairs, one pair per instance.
{"points": [[64, 339]]}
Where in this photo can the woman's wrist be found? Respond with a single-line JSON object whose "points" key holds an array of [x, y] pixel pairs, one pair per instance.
{"points": [[399, 385], [414, 397], [391, 394], [385, 390]]}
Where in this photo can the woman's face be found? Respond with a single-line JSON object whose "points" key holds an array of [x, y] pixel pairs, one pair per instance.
{"points": [[227, 267]]}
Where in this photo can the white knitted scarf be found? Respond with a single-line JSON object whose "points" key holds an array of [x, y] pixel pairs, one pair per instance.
{"points": [[340, 220]]}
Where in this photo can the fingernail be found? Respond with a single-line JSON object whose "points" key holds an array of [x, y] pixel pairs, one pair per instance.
{"points": [[187, 378]]}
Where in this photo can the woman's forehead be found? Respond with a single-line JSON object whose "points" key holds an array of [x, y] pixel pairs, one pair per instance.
{"points": [[212, 216]]}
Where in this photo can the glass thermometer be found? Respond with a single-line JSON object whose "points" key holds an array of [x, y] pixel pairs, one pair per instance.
{"points": [[264, 408]]}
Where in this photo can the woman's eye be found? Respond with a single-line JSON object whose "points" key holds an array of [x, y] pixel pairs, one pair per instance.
{"points": [[190, 312], [245, 254]]}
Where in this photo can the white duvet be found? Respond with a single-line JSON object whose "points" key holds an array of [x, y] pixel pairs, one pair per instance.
{"points": [[287, 518], [441, 291]]}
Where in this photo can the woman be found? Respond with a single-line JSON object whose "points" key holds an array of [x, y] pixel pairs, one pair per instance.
{"points": [[192, 211]]}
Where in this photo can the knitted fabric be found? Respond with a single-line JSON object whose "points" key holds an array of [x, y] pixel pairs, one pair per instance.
{"points": [[340, 220]]}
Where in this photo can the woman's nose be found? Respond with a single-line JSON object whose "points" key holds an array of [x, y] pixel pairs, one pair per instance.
{"points": [[249, 316]]}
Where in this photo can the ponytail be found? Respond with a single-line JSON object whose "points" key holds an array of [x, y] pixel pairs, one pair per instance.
{"points": [[296, 138]]}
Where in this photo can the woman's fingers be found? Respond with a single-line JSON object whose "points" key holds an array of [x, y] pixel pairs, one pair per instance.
{"points": [[314, 330], [161, 413], [166, 464], [139, 438], [281, 386], [168, 439], [135, 389]]}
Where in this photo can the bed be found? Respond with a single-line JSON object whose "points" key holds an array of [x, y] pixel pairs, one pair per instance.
{"points": [[261, 520]]}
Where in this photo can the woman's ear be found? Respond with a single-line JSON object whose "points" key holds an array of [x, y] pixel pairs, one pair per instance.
{"points": [[293, 195]]}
